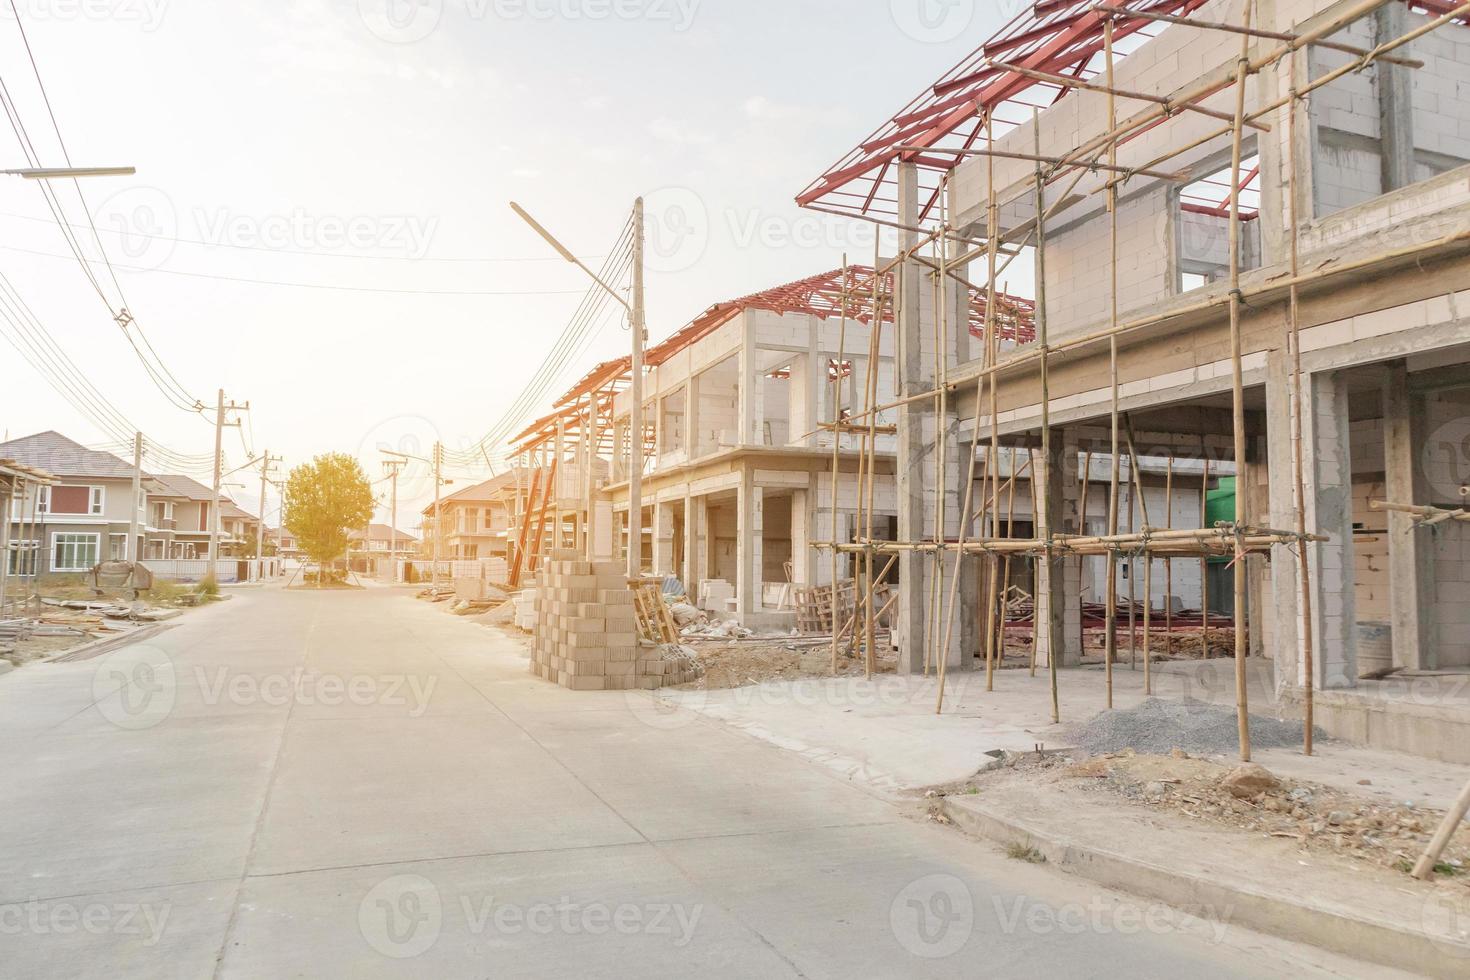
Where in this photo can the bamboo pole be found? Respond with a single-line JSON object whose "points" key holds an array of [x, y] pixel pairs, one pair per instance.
{"points": [[1136, 479], [965, 517], [1204, 562], [1082, 527], [1110, 601], [1168, 562], [1237, 388], [941, 426], [1053, 639], [1424, 867], [992, 227], [836, 436], [1304, 563], [875, 346], [1005, 565], [1132, 487]]}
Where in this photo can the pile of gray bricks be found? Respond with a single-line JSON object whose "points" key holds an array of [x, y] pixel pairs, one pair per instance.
{"points": [[586, 636]]}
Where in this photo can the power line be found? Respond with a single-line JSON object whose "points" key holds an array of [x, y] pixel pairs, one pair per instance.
{"points": [[273, 250], [158, 371], [390, 290], [594, 302]]}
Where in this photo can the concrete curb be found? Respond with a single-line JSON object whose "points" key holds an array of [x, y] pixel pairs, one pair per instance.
{"points": [[1434, 955]]}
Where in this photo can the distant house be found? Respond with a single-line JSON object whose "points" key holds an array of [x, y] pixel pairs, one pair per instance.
{"points": [[182, 506], [285, 541], [383, 540], [476, 519], [84, 517]]}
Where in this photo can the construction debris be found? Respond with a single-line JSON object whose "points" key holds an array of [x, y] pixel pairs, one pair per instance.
{"points": [[1325, 819], [1157, 725]]}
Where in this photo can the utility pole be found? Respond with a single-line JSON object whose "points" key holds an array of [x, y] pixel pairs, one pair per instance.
{"points": [[393, 466], [638, 330], [265, 469], [219, 430], [438, 516], [132, 554], [635, 415]]}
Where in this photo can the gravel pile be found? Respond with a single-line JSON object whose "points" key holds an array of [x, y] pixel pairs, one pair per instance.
{"points": [[1156, 726]]}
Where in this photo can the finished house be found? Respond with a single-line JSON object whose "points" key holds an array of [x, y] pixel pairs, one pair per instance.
{"points": [[84, 517]]}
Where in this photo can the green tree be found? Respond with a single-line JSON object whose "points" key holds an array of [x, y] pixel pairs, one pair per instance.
{"points": [[324, 500]]}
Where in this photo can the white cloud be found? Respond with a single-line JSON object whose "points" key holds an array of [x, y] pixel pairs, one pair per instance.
{"points": [[673, 131], [760, 107]]}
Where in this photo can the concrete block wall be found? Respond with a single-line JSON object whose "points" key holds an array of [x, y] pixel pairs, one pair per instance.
{"points": [[1079, 262], [717, 409], [1441, 90], [586, 635], [1347, 161]]}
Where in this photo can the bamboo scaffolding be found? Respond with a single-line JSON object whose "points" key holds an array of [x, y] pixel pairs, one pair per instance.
{"points": [[1176, 175], [1248, 31], [1237, 539], [1065, 81], [1423, 514]]}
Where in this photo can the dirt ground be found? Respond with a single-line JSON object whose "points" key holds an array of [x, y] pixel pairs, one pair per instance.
{"points": [[1318, 818], [736, 663]]}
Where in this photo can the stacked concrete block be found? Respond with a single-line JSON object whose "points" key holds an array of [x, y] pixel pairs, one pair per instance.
{"points": [[586, 636]]}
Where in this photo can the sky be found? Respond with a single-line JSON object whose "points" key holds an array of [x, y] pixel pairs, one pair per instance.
{"points": [[319, 222]]}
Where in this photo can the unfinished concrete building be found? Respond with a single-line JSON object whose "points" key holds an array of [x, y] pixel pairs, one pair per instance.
{"points": [[737, 458], [1254, 220]]}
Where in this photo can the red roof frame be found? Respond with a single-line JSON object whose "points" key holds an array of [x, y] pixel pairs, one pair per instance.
{"points": [[1061, 37], [822, 296]]}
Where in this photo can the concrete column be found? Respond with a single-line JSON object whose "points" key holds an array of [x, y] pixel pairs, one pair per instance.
{"points": [[1330, 512], [691, 422], [689, 573], [1327, 478], [1285, 580], [701, 546], [748, 547], [803, 555], [1059, 584], [912, 606], [604, 531], [663, 538], [1395, 101], [1411, 552], [750, 397]]}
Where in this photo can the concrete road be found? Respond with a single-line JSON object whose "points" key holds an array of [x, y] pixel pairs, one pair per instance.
{"points": [[357, 784]]}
